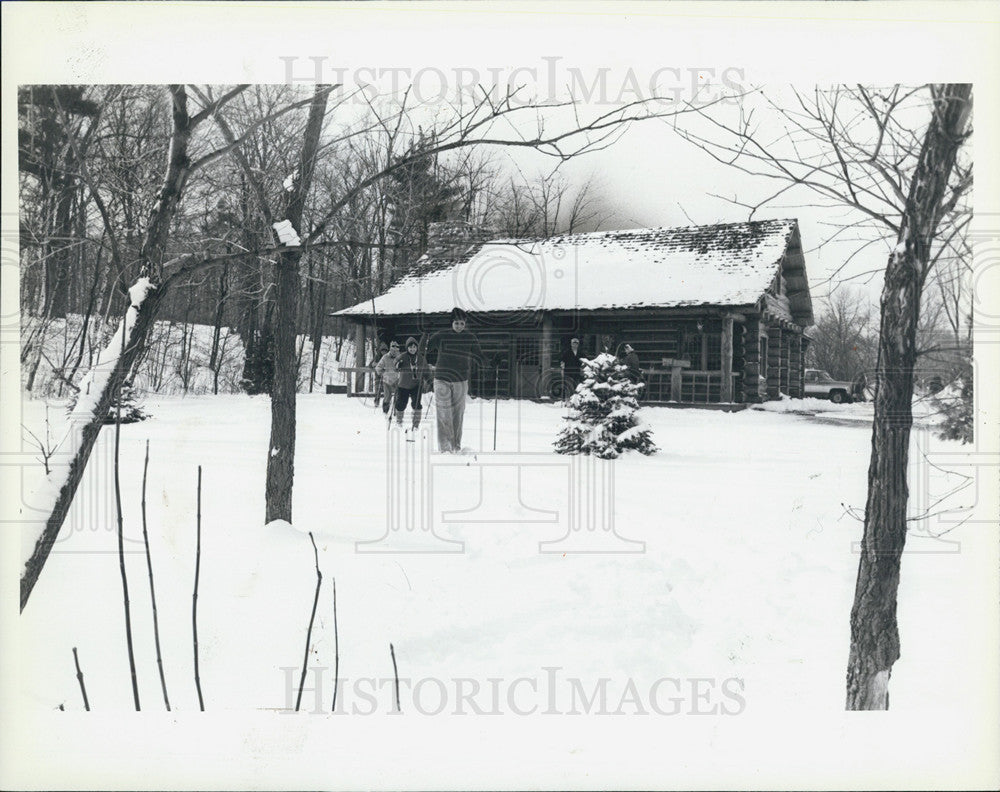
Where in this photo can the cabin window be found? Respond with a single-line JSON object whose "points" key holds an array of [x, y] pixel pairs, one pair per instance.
{"points": [[691, 349], [528, 350], [704, 350], [713, 351]]}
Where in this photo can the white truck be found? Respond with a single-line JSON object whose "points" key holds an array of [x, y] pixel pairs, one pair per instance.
{"points": [[820, 385]]}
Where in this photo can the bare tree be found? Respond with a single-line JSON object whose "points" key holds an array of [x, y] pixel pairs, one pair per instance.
{"points": [[281, 456], [893, 158], [545, 206], [844, 340]]}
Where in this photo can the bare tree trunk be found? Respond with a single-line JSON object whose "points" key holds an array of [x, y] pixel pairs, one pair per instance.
{"points": [[218, 369], [281, 454], [874, 632], [88, 433], [319, 311], [214, 358], [57, 264], [34, 370], [91, 302], [185, 367], [154, 247], [359, 356]]}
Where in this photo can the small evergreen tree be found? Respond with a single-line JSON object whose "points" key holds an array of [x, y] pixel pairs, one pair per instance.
{"points": [[131, 401], [132, 407], [603, 421]]}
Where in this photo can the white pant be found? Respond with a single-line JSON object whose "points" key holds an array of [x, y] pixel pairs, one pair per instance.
{"points": [[449, 402]]}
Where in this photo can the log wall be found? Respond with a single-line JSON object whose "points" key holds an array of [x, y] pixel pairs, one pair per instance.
{"points": [[522, 351], [773, 362]]}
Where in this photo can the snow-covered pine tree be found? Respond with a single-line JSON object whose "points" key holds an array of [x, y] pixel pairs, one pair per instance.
{"points": [[603, 421], [132, 406]]}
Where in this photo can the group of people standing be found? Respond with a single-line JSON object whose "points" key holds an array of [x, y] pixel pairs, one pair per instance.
{"points": [[572, 367], [406, 376], [403, 376]]}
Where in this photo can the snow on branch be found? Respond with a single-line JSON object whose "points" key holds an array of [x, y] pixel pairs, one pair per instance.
{"points": [[286, 233]]}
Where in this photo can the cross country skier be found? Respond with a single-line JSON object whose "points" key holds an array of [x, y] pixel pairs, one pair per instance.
{"points": [[386, 371], [413, 370], [456, 348]]}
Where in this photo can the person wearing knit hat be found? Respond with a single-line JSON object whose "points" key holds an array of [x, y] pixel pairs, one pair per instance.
{"points": [[385, 370], [456, 348], [413, 370]]}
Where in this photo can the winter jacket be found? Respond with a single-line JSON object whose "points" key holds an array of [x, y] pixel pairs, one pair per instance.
{"points": [[571, 361], [386, 369], [455, 353], [632, 361], [411, 369]]}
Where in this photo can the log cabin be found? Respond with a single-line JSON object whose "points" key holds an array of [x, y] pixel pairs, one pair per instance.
{"points": [[717, 314]]}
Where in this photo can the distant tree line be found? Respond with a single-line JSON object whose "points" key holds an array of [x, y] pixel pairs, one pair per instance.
{"points": [[844, 339]]}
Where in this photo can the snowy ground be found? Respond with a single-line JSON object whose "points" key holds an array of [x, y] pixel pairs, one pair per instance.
{"points": [[926, 410], [749, 521]]}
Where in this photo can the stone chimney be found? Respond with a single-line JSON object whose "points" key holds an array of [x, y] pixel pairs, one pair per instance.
{"points": [[452, 238]]}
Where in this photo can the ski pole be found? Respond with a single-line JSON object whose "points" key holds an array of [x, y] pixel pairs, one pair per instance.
{"points": [[392, 407], [496, 401], [420, 393], [430, 404]]}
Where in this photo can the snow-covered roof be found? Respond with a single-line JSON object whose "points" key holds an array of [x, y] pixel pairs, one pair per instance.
{"points": [[727, 264]]}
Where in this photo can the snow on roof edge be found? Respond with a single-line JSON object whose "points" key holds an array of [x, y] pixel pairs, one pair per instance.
{"points": [[724, 264]]}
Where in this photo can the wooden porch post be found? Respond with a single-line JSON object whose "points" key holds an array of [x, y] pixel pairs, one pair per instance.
{"points": [[359, 356], [726, 393], [546, 356]]}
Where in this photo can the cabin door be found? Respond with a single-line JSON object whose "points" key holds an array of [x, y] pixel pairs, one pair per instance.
{"points": [[527, 367]]}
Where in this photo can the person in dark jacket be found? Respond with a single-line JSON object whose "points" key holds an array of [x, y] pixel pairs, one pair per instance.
{"points": [[571, 366], [413, 370], [630, 359], [456, 349]]}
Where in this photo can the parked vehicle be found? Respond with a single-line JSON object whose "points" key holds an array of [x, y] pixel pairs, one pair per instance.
{"points": [[821, 385]]}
